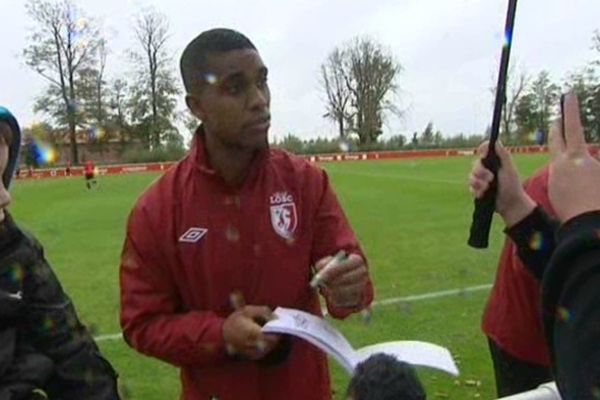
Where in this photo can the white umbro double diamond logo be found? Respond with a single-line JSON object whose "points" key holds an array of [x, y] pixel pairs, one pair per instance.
{"points": [[193, 235]]}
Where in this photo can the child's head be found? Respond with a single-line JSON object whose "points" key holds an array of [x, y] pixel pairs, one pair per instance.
{"points": [[6, 139], [383, 377], [10, 144]]}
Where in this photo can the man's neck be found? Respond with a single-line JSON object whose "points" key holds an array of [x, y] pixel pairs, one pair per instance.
{"points": [[230, 163]]}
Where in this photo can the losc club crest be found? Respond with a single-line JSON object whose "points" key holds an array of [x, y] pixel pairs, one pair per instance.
{"points": [[283, 214]]}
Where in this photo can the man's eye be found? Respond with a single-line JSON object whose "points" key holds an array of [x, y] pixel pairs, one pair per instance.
{"points": [[234, 89], [262, 82]]}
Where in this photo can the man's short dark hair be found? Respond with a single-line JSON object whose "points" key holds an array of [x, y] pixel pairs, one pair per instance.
{"points": [[383, 377], [194, 58]]}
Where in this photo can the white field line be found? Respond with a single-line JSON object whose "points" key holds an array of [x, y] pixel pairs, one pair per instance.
{"points": [[404, 177], [113, 336], [385, 302], [432, 295]]}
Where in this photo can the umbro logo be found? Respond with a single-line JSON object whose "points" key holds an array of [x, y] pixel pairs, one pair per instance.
{"points": [[193, 235]]}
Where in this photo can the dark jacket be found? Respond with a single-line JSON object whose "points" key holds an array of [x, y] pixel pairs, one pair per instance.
{"points": [[42, 336], [44, 348], [569, 268]]}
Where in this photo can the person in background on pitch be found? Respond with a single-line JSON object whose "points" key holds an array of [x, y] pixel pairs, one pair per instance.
{"points": [[568, 266], [230, 233], [89, 171], [383, 377], [45, 351]]}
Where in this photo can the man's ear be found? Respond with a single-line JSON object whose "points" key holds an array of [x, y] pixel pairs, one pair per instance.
{"points": [[194, 106]]}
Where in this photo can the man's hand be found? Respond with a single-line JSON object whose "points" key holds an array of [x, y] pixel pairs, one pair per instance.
{"points": [[345, 282], [512, 203], [242, 332], [574, 182]]}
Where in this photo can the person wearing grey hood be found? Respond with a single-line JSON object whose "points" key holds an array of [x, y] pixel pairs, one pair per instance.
{"points": [[45, 351]]}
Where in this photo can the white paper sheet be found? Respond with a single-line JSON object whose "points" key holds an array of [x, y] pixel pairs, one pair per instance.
{"points": [[325, 336]]}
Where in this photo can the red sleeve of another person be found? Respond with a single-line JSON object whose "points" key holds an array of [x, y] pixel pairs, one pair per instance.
{"points": [[151, 316], [333, 233]]}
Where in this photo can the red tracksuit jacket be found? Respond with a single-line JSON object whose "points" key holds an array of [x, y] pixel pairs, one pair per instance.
{"points": [[191, 241], [513, 316]]}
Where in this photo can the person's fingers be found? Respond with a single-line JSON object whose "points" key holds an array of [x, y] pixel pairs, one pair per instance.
{"points": [[478, 185], [482, 150], [319, 265], [482, 173], [258, 313], [257, 348], [353, 261], [475, 193], [556, 140], [574, 137], [236, 299], [504, 155], [250, 331], [271, 338], [255, 311], [351, 277], [347, 296]]}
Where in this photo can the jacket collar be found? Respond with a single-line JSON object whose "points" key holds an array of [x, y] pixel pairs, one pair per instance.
{"points": [[201, 162]]}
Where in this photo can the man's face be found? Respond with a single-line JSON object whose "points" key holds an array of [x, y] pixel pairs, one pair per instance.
{"points": [[4, 194], [233, 101]]}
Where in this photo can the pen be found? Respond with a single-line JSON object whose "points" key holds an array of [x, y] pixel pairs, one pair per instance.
{"points": [[317, 280]]}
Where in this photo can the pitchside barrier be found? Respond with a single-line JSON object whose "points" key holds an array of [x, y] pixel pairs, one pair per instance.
{"points": [[359, 156]]}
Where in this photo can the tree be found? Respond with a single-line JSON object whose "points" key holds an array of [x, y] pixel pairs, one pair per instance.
{"points": [[427, 136], [396, 142], [93, 89], [546, 96], [525, 117], [438, 139], [535, 109], [371, 78], [63, 43], [118, 106], [516, 85], [292, 143], [596, 45], [360, 81], [414, 141], [154, 95], [333, 82], [586, 84]]}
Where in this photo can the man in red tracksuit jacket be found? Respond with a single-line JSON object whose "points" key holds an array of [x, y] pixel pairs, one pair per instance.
{"points": [[230, 233], [513, 317]]}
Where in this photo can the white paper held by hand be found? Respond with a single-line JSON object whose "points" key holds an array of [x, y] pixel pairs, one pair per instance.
{"points": [[326, 337]]}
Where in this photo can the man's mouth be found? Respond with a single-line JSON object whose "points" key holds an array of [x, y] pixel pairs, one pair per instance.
{"points": [[260, 124]]}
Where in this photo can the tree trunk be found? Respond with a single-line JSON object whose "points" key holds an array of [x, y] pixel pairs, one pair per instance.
{"points": [[73, 140], [341, 126]]}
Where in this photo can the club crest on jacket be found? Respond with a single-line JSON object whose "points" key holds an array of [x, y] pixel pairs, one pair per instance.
{"points": [[283, 214]]}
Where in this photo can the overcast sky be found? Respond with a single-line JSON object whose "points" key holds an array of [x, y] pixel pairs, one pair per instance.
{"points": [[449, 50]]}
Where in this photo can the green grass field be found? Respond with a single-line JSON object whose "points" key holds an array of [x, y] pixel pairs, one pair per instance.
{"points": [[411, 216]]}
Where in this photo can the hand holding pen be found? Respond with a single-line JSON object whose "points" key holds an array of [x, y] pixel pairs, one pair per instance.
{"points": [[342, 278]]}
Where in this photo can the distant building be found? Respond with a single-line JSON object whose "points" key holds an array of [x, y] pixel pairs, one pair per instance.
{"points": [[89, 146]]}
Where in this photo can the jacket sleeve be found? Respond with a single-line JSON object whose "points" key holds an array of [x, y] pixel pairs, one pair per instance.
{"points": [[571, 302], [152, 317], [333, 233], [534, 237], [54, 329]]}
